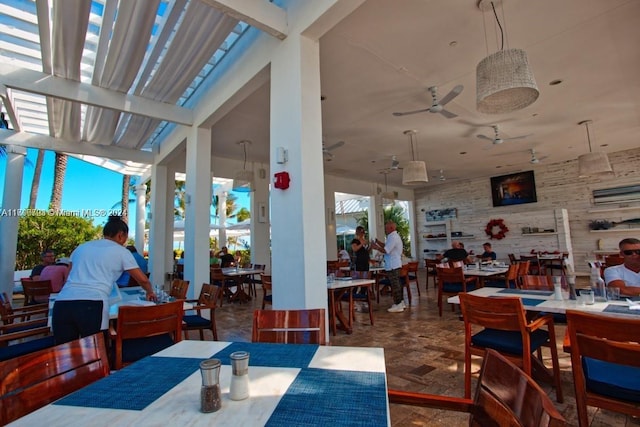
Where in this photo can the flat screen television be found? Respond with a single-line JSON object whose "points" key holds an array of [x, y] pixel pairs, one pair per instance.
{"points": [[514, 189]]}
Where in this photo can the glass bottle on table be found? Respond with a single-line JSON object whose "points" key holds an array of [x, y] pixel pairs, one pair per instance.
{"points": [[597, 285]]}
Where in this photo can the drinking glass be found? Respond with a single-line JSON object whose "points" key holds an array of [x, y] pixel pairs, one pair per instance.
{"points": [[613, 293]]}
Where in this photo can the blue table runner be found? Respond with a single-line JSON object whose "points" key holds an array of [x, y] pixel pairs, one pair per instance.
{"points": [[120, 391], [531, 302], [342, 393], [621, 309], [271, 355], [526, 292]]}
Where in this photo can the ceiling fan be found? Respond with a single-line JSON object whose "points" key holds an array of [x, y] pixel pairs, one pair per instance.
{"points": [[326, 151], [394, 166], [535, 159], [496, 139], [437, 106]]}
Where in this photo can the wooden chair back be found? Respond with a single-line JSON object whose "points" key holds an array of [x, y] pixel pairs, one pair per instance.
{"points": [[209, 295], [505, 314], [523, 269], [606, 339], [208, 300], [266, 289], [497, 401], [512, 258], [144, 322], [289, 326], [179, 289], [10, 315], [448, 275], [541, 283], [34, 380], [535, 267], [36, 291], [611, 260]]}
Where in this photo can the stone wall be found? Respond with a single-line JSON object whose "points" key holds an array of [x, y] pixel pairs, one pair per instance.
{"points": [[557, 187]]}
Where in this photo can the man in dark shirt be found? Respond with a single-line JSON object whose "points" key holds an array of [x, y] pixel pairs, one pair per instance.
{"points": [[456, 253], [226, 259], [48, 258]]}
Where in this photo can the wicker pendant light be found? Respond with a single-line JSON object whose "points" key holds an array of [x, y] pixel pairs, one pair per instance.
{"points": [[592, 164], [243, 179], [414, 172]]}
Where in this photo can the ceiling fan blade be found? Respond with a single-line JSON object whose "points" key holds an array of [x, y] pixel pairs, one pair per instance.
{"points": [[448, 114], [406, 113], [334, 146], [517, 137], [451, 95], [485, 137]]}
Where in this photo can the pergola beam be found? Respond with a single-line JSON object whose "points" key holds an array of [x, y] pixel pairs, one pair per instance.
{"points": [[260, 14]]}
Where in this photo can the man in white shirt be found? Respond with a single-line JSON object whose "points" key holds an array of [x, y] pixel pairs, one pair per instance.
{"points": [[626, 276], [392, 250]]}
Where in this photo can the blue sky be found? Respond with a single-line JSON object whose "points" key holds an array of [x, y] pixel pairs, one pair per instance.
{"points": [[86, 186]]}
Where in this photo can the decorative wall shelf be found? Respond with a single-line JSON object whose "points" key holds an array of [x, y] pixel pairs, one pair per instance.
{"points": [[616, 230], [626, 208], [541, 234]]}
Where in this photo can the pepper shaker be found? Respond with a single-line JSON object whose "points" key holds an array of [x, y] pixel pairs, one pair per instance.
{"points": [[210, 395]]}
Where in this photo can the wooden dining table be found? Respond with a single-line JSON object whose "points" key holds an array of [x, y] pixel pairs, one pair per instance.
{"points": [[239, 276], [340, 287], [292, 385]]}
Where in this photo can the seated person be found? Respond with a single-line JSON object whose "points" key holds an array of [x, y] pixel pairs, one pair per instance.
{"points": [[123, 280], [626, 276], [488, 254], [57, 274], [456, 253], [226, 259], [48, 257], [343, 255]]}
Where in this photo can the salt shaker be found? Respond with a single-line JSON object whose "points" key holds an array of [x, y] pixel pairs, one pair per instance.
{"points": [[239, 389], [210, 396], [557, 288]]}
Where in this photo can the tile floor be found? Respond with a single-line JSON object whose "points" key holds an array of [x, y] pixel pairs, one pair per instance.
{"points": [[423, 353]]}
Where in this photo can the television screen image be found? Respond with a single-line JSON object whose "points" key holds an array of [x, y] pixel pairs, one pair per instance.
{"points": [[513, 189]]}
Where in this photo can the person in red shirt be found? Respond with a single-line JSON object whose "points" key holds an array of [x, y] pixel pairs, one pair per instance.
{"points": [[57, 274]]}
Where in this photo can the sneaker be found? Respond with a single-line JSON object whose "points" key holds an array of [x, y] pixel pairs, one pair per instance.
{"points": [[396, 308], [403, 304]]}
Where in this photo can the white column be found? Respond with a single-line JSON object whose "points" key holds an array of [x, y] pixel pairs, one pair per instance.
{"points": [[376, 218], [413, 234], [297, 213], [222, 216], [9, 216], [198, 203], [161, 224], [260, 229], [140, 191], [330, 219]]}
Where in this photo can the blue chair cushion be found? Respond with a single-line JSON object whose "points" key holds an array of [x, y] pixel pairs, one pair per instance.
{"points": [[557, 317], [612, 379], [136, 349], [387, 282], [456, 287], [15, 327], [195, 321], [27, 347], [268, 298], [509, 342]]}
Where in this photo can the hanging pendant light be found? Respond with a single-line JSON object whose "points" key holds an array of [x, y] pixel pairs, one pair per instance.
{"points": [[390, 196], [504, 80], [591, 164], [243, 180], [414, 172]]}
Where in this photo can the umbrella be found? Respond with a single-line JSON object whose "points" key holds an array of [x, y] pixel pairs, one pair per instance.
{"points": [[345, 229]]}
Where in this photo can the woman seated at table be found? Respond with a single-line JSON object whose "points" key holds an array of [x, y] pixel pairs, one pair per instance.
{"points": [[488, 254]]}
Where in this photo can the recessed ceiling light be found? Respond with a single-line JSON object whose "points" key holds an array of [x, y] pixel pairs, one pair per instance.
{"points": [[555, 82], [453, 43], [498, 167], [463, 152], [604, 145]]}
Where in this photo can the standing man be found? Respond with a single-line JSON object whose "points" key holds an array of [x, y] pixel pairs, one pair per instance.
{"points": [[392, 250], [626, 276]]}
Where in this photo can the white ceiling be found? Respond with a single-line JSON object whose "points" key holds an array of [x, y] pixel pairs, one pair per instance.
{"points": [[384, 56]]}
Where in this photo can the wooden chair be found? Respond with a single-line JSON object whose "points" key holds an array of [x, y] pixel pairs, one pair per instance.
{"points": [[179, 289], [605, 359], [513, 259], [505, 396], [36, 291], [404, 282], [508, 280], [507, 331], [10, 315], [535, 267], [16, 341], [611, 260], [523, 270], [536, 282], [267, 297], [252, 281], [216, 277], [289, 326], [430, 266], [208, 300], [142, 331], [451, 282], [34, 380], [412, 274]]}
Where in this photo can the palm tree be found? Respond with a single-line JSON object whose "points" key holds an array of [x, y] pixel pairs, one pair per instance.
{"points": [[58, 181], [396, 214], [35, 184], [230, 205], [243, 214], [126, 181]]}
